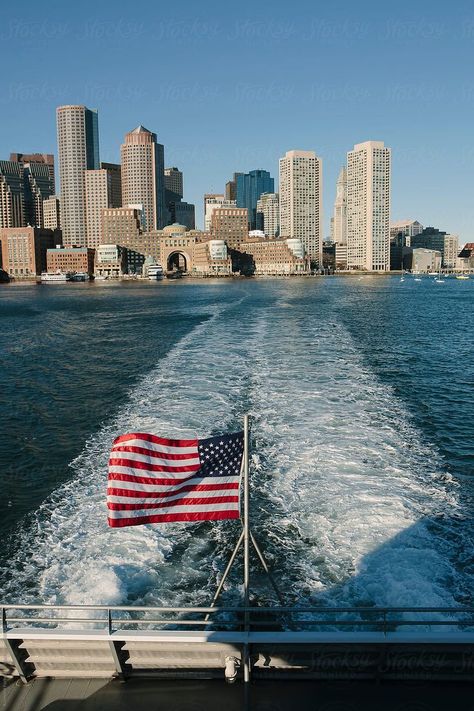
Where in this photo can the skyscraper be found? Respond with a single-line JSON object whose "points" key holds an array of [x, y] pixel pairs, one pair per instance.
{"points": [[249, 188], [340, 209], [368, 206], [143, 179], [12, 194], [103, 189], [78, 148], [268, 214], [37, 158], [174, 181], [231, 188], [301, 205]]}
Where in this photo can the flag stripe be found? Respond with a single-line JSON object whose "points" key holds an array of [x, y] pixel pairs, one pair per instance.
{"points": [[122, 462], [179, 501], [163, 494], [156, 453], [174, 517], [177, 508], [151, 440], [143, 483]]}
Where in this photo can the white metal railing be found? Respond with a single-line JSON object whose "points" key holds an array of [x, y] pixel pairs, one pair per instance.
{"points": [[251, 619]]}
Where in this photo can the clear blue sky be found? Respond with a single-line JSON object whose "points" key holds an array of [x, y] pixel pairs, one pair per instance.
{"points": [[231, 86]]}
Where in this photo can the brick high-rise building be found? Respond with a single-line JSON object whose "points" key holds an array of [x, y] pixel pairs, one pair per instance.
{"points": [[78, 148], [103, 189], [230, 224], [301, 205], [143, 180], [24, 249]]}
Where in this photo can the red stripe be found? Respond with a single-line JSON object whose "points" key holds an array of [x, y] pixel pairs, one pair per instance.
{"points": [[118, 476], [115, 476], [163, 494], [170, 517], [177, 502], [156, 440], [151, 467], [154, 453]]}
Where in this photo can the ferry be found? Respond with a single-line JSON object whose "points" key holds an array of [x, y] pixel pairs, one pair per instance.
{"points": [[55, 277], [155, 272], [79, 276]]}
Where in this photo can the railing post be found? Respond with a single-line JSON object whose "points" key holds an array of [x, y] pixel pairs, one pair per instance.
{"points": [[119, 655]]}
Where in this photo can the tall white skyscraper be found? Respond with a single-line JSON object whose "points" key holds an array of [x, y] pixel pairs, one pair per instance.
{"points": [[301, 208], [78, 148], [368, 206], [143, 178]]}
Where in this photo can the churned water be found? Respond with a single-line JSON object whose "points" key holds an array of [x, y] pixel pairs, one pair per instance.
{"points": [[361, 392]]}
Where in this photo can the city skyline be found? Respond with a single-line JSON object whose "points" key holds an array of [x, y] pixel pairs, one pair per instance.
{"points": [[400, 89]]}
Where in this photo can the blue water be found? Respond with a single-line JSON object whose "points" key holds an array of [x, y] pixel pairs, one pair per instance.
{"points": [[361, 392]]}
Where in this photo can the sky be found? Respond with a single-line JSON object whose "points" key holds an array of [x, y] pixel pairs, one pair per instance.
{"points": [[232, 86]]}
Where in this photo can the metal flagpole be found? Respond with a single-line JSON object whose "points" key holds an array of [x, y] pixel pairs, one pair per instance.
{"points": [[246, 546]]}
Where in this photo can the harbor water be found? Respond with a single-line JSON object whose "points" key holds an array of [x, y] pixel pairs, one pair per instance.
{"points": [[362, 466]]}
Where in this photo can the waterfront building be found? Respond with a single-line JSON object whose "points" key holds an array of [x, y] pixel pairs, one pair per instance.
{"points": [[368, 207], [78, 149], [230, 224], [37, 159], [276, 256], [432, 238], [121, 225], [211, 258], [421, 260], [12, 195], [211, 201], [24, 249], [268, 214], [143, 179], [250, 187], [110, 261], [231, 188], [103, 189], [340, 256], [301, 208], [70, 259]]}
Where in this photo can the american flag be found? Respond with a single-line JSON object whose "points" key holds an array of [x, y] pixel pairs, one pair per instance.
{"points": [[157, 480]]}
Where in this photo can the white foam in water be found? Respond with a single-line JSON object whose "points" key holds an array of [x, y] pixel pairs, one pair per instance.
{"points": [[343, 486]]}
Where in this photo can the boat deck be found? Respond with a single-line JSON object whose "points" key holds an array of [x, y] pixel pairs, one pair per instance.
{"points": [[145, 695]]}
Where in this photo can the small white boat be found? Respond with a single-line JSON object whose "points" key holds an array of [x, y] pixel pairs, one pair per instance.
{"points": [[55, 277], [155, 272], [462, 276]]}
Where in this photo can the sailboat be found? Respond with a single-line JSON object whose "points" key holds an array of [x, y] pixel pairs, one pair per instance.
{"points": [[438, 279]]}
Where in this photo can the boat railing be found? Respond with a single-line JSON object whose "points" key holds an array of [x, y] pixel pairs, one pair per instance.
{"points": [[115, 619]]}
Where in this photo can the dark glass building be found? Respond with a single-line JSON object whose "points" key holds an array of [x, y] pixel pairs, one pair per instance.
{"points": [[249, 188]]}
